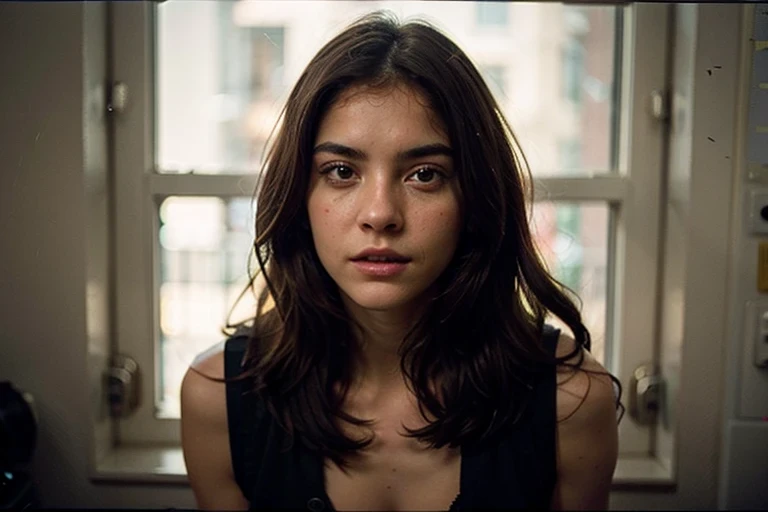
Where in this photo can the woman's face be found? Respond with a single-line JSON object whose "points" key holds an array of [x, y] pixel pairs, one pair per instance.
{"points": [[384, 202]]}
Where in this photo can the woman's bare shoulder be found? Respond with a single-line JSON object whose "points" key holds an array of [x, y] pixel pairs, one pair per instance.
{"points": [[203, 395], [587, 431], [579, 385], [205, 434], [210, 362]]}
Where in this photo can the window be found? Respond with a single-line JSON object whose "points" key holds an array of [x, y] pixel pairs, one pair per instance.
{"points": [[573, 70], [207, 80], [201, 245], [494, 77], [491, 13]]}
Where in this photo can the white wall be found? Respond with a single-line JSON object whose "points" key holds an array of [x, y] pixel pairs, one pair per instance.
{"points": [[53, 227], [744, 461], [709, 272]]}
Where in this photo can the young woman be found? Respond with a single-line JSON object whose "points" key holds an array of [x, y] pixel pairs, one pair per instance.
{"points": [[405, 363]]}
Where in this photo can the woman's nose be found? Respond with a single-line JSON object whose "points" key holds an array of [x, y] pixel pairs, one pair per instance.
{"points": [[380, 207]]}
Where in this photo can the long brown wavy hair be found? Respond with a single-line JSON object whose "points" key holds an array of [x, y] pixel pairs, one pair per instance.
{"points": [[472, 359]]}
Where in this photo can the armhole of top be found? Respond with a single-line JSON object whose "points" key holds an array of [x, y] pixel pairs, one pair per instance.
{"points": [[546, 423], [234, 350], [551, 335]]}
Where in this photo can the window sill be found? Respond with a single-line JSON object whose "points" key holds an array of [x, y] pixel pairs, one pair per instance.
{"points": [[165, 465], [642, 473], [142, 464]]}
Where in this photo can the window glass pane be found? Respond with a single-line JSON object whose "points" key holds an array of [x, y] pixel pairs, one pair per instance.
{"points": [[205, 243], [224, 69], [491, 13], [573, 240], [204, 246]]}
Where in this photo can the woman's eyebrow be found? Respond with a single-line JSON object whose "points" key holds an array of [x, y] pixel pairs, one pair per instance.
{"points": [[426, 150], [341, 150], [409, 154]]}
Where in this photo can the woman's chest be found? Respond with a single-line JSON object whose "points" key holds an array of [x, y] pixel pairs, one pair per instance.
{"points": [[393, 475], [395, 472]]}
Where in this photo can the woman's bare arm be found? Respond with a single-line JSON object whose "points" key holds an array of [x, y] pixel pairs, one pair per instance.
{"points": [[587, 435], [205, 437]]}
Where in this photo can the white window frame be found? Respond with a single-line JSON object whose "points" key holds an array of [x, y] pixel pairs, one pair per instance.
{"points": [[635, 192]]}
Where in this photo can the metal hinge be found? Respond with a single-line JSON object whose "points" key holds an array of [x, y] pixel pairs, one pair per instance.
{"points": [[660, 105], [117, 97], [645, 395]]}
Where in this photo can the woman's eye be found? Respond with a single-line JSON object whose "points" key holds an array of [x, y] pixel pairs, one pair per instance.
{"points": [[426, 175], [339, 172], [344, 173]]}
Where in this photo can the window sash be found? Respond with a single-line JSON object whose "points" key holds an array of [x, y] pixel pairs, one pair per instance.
{"points": [[634, 192]]}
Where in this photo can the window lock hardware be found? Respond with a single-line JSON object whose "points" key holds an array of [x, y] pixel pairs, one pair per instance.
{"points": [[660, 105], [117, 97], [123, 386], [645, 395]]}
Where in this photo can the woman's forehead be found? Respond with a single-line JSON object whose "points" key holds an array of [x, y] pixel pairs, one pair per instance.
{"points": [[380, 92], [358, 97]]}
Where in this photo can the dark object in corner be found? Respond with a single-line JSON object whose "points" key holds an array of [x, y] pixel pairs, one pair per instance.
{"points": [[18, 436]]}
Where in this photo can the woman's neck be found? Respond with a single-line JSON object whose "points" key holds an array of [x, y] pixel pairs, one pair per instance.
{"points": [[379, 336]]}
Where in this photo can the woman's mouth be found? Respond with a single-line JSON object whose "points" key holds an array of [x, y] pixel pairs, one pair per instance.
{"points": [[380, 267], [380, 262]]}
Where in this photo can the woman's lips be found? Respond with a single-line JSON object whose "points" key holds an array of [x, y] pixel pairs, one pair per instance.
{"points": [[380, 268]]}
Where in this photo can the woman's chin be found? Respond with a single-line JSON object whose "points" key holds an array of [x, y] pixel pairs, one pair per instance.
{"points": [[382, 302]]}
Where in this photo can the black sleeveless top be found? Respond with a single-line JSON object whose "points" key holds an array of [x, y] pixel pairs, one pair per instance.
{"points": [[517, 472]]}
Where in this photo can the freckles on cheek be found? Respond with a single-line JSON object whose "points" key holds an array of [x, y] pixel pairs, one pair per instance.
{"points": [[325, 222]]}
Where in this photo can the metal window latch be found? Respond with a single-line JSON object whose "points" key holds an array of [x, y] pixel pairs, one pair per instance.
{"points": [[123, 386], [117, 97], [660, 105], [645, 395]]}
